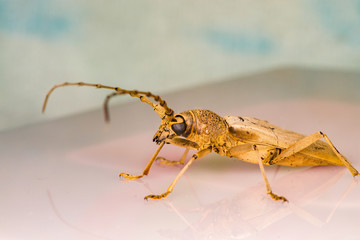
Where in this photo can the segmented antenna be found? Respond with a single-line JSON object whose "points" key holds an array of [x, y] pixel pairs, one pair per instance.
{"points": [[161, 109]]}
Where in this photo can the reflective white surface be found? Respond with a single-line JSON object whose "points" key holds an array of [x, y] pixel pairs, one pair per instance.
{"points": [[59, 180]]}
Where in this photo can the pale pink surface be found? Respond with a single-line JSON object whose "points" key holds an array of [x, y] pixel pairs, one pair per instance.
{"points": [[60, 180]]}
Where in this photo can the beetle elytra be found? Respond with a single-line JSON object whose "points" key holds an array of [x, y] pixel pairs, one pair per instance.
{"points": [[245, 138]]}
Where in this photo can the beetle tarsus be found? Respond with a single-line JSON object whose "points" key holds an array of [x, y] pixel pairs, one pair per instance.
{"points": [[166, 162], [152, 196], [277, 198], [130, 176]]}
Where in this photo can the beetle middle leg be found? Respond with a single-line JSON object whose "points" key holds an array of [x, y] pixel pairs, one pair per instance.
{"points": [[197, 155], [267, 184], [252, 151]]}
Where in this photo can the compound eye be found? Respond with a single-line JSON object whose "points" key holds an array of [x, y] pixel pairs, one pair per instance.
{"points": [[179, 128]]}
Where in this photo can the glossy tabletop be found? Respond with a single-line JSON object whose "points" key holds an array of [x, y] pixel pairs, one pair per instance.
{"points": [[60, 179]]}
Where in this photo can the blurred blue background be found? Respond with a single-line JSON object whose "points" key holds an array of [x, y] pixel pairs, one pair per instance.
{"points": [[159, 46]]}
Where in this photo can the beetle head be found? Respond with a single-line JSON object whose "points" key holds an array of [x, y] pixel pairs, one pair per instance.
{"points": [[173, 126]]}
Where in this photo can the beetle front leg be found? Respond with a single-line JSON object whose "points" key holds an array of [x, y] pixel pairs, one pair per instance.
{"points": [[180, 142], [197, 155], [165, 161], [147, 168]]}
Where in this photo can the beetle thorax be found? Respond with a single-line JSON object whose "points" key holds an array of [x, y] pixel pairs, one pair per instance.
{"points": [[204, 127]]}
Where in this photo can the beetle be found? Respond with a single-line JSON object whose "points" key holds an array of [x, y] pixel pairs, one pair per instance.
{"points": [[246, 138]]}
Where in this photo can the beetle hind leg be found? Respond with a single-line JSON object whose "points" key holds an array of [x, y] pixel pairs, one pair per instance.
{"points": [[272, 154], [309, 140]]}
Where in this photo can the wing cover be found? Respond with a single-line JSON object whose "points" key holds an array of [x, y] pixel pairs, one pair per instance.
{"points": [[252, 130]]}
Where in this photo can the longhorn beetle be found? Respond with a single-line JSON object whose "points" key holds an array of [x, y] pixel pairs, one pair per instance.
{"points": [[245, 138]]}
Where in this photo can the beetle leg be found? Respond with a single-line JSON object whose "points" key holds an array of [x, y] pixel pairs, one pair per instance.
{"points": [[197, 155], [180, 142], [307, 141], [267, 184], [165, 161], [148, 166]]}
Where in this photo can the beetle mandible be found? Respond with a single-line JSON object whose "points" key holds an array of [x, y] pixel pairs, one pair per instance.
{"points": [[245, 138]]}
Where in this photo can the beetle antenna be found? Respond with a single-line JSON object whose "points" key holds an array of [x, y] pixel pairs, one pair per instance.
{"points": [[161, 109], [106, 106]]}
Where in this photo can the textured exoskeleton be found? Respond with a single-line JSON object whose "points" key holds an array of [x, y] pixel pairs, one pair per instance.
{"points": [[245, 138]]}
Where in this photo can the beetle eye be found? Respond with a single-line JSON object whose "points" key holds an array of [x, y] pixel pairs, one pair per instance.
{"points": [[179, 128]]}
